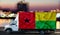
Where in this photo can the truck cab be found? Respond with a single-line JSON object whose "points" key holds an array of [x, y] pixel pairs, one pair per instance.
{"points": [[13, 26]]}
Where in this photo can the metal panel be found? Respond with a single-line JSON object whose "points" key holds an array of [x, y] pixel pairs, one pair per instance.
{"points": [[45, 20], [27, 20], [45, 16], [45, 24]]}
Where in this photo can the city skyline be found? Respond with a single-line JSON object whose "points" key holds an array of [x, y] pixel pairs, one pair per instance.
{"points": [[33, 4]]}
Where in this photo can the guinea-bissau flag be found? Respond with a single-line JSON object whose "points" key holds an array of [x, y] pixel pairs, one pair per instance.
{"points": [[37, 20]]}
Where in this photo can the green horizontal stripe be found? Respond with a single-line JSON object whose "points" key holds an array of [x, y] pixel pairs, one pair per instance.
{"points": [[45, 24]]}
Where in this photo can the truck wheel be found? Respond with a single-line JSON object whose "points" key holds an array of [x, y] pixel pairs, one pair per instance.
{"points": [[52, 32], [8, 31], [42, 32], [22, 31]]}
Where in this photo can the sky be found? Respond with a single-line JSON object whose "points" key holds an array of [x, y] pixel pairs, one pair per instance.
{"points": [[33, 4]]}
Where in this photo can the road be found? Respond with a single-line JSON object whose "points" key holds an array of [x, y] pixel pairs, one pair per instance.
{"points": [[33, 33], [4, 33], [28, 34]]}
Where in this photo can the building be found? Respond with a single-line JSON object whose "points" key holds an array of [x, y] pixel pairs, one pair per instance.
{"points": [[6, 17], [22, 6]]}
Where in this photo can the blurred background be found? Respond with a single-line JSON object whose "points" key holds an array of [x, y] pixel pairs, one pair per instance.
{"points": [[9, 9]]}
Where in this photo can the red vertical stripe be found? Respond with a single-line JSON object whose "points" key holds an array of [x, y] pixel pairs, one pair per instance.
{"points": [[26, 20]]}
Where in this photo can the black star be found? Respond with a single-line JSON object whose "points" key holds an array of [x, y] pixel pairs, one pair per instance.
{"points": [[26, 20]]}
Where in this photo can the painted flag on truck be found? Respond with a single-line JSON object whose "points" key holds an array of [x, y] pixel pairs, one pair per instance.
{"points": [[37, 20], [45, 20], [27, 20]]}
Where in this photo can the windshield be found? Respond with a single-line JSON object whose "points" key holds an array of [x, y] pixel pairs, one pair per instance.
{"points": [[13, 22]]}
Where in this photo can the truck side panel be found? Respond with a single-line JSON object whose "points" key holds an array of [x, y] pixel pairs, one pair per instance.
{"points": [[45, 20], [37, 20], [27, 20]]}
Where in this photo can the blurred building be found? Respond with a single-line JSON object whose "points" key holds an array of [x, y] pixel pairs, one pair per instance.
{"points": [[57, 24], [6, 17], [4, 22], [22, 6], [58, 10]]}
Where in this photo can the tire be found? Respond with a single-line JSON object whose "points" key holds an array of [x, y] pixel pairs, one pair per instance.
{"points": [[8, 31], [52, 32], [22, 31], [42, 32], [49, 32]]}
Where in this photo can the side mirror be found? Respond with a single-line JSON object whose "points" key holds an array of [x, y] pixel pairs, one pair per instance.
{"points": [[13, 24]]}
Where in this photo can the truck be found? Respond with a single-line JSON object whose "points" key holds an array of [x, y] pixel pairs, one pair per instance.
{"points": [[33, 21]]}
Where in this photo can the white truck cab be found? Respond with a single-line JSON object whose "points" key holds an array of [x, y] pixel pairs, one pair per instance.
{"points": [[13, 26]]}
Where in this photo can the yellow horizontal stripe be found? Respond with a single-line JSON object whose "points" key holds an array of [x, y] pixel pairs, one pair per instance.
{"points": [[45, 15]]}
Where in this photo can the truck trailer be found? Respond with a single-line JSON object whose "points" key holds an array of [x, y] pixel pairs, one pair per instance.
{"points": [[33, 21]]}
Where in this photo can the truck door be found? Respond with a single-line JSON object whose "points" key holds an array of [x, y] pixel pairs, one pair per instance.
{"points": [[14, 26]]}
